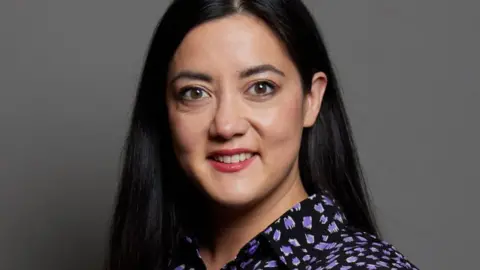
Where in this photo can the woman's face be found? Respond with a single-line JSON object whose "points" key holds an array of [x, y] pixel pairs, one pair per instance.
{"points": [[237, 110]]}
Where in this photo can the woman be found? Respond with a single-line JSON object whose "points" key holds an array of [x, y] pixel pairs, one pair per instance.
{"points": [[240, 154]]}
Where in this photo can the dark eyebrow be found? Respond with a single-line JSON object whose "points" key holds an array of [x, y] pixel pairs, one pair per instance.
{"points": [[192, 75], [260, 69]]}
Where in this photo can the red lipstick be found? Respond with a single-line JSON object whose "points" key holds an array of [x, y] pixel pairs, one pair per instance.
{"points": [[221, 165]]}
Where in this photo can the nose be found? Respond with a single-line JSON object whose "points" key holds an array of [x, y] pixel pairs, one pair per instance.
{"points": [[229, 120]]}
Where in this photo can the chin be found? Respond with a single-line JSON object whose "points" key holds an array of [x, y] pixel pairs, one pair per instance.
{"points": [[234, 199]]}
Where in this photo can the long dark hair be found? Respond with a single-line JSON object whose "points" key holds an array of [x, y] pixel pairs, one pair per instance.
{"points": [[150, 209]]}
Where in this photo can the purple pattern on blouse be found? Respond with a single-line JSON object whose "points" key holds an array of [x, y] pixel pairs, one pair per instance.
{"points": [[314, 234]]}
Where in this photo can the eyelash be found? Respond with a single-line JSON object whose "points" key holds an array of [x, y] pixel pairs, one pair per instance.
{"points": [[273, 88], [269, 84], [184, 91]]}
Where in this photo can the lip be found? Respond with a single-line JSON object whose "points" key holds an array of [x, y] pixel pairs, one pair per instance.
{"points": [[231, 167], [230, 152]]}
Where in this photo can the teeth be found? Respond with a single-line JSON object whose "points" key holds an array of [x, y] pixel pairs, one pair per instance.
{"points": [[234, 158]]}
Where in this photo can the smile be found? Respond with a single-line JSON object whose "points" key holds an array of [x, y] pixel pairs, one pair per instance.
{"points": [[229, 161], [233, 158]]}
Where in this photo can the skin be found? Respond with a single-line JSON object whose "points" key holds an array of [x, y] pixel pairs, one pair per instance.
{"points": [[224, 108]]}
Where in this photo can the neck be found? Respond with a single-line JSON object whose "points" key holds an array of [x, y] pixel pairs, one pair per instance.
{"points": [[232, 229]]}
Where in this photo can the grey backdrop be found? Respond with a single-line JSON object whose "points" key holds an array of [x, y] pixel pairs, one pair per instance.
{"points": [[68, 72]]}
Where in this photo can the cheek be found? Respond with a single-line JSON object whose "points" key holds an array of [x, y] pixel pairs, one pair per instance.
{"points": [[281, 125], [188, 132]]}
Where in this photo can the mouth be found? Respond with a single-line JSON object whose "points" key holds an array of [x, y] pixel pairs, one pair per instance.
{"points": [[233, 160]]}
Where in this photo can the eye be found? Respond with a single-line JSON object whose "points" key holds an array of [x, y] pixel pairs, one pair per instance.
{"points": [[262, 88], [193, 93]]}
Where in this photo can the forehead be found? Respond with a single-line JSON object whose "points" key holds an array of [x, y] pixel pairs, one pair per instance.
{"points": [[230, 43]]}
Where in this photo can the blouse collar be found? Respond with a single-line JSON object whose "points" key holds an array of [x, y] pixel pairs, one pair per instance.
{"points": [[300, 229], [304, 227]]}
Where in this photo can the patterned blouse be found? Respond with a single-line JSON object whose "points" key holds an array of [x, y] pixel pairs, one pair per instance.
{"points": [[312, 235]]}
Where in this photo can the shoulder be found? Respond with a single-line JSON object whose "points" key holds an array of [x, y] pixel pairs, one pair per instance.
{"points": [[360, 250]]}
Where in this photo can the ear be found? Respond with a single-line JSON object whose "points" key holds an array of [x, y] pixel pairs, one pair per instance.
{"points": [[313, 99]]}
